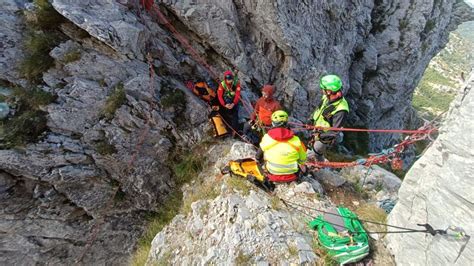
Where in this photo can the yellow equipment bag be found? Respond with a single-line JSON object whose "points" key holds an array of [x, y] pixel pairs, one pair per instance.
{"points": [[218, 124], [248, 168]]}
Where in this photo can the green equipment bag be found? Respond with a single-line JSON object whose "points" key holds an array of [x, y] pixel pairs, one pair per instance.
{"points": [[342, 235]]}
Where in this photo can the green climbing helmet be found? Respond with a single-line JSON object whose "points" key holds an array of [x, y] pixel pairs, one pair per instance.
{"points": [[331, 82], [279, 118]]}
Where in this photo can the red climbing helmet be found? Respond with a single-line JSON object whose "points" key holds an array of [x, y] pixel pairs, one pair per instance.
{"points": [[228, 75]]}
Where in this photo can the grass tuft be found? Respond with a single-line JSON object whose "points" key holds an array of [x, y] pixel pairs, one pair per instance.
{"points": [[71, 56], [188, 168], [202, 192], [173, 98], [32, 98], [372, 213], [42, 36], [239, 183], [324, 258], [45, 17], [276, 203], [29, 121], [37, 59], [23, 128], [242, 258], [114, 101], [156, 223], [105, 148], [292, 250]]}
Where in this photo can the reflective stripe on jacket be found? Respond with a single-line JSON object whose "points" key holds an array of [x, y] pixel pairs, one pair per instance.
{"points": [[283, 156], [322, 116]]}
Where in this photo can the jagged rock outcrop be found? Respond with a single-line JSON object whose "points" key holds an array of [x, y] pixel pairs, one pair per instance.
{"points": [[438, 190], [379, 48], [242, 224], [112, 170], [94, 176], [11, 34]]}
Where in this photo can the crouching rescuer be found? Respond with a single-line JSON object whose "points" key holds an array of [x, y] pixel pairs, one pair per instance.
{"points": [[331, 113], [280, 151]]}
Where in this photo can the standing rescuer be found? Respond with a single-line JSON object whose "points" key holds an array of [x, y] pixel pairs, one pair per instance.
{"points": [[331, 113], [281, 150], [261, 118], [228, 95]]}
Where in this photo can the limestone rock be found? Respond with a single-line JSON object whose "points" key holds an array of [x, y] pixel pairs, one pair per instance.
{"points": [[107, 21], [374, 178], [11, 33], [438, 190], [329, 177], [88, 169], [234, 228], [370, 44]]}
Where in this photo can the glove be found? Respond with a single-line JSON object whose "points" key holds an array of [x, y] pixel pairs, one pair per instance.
{"points": [[327, 138], [303, 168], [316, 136]]}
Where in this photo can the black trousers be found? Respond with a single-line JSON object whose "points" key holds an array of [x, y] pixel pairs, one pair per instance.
{"points": [[231, 117]]}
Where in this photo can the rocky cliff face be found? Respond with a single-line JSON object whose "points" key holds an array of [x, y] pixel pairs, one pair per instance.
{"points": [[379, 48], [438, 190], [89, 169]]}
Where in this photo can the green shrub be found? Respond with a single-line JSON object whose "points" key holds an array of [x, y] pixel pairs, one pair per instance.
{"points": [[105, 148], [403, 24], [173, 98], [433, 76], [188, 167], [37, 59], [430, 25], [32, 98], [428, 98], [114, 101], [42, 35], [23, 128], [29, 122], [45, 16]]}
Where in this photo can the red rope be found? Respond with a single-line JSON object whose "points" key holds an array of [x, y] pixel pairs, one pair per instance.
{"points": [[237, 133], [155, 9], [185, 43], [384, 157], [403, 131]]}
